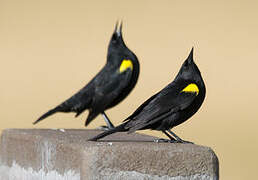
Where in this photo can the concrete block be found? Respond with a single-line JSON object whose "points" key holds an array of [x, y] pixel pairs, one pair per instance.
{"points": [[65, 154]]}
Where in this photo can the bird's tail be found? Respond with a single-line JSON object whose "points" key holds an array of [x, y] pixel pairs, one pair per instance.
{"points": [[50, 112], [120, 128]]}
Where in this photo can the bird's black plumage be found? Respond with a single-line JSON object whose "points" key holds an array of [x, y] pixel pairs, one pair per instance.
{"points": [[109, 87], [173, 105]]}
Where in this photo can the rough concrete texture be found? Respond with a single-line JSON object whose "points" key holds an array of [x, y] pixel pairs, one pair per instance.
{"points": [[28, 154]]}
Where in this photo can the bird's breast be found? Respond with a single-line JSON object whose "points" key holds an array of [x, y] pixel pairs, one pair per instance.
{"points": [[191, 88], [126, 64]]}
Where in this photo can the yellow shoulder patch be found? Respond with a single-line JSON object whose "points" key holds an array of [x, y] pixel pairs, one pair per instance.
{"points": [[192, 88], [126, 63]]}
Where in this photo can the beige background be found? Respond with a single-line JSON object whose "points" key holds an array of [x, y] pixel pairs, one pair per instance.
{"points": [[50, 49]]}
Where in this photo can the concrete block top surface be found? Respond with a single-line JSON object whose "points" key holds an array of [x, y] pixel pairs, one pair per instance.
{"points": [[117, 155]]}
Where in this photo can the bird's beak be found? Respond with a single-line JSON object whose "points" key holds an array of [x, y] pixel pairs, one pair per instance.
{"points": [[118, 31], [115, 31], [190, 56]]}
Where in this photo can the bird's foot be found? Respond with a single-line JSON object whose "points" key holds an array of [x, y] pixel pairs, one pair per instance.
{"points": [[104, 128], [172, 141], [184, 142], [164, 141]]}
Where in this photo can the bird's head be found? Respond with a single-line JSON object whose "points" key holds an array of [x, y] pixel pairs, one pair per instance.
{"points": [[117, 49], [117, 37], [189, 70]]}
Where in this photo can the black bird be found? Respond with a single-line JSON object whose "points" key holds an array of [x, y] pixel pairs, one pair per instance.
{"points": [[173, 105], [109, 87]]}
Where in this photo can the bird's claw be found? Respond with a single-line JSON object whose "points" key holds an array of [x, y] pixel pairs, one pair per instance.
{"points": [[104, 128], [164, 141], [172, 141], [184, 142]]}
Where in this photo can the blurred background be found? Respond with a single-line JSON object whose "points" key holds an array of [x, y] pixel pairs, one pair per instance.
{"points": [[50, 49]]}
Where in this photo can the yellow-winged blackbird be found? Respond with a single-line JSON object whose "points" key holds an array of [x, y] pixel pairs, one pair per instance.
{"points": [[173, 105], [109, 87]]}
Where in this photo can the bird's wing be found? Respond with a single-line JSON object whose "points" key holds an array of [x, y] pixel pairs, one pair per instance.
{"points": [[162, 105], [109, 86], [140, 108]]}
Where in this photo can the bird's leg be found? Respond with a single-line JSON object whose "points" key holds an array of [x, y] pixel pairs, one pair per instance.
{"points": [[178, 139], [171, 139], [109, 123]]}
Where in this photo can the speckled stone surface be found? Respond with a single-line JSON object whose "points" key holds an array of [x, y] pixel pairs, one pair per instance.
{"points": [[66, 154]]}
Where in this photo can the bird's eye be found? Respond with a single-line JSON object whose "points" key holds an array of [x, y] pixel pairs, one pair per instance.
{"points": [[114, 38], [185, 64]]}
